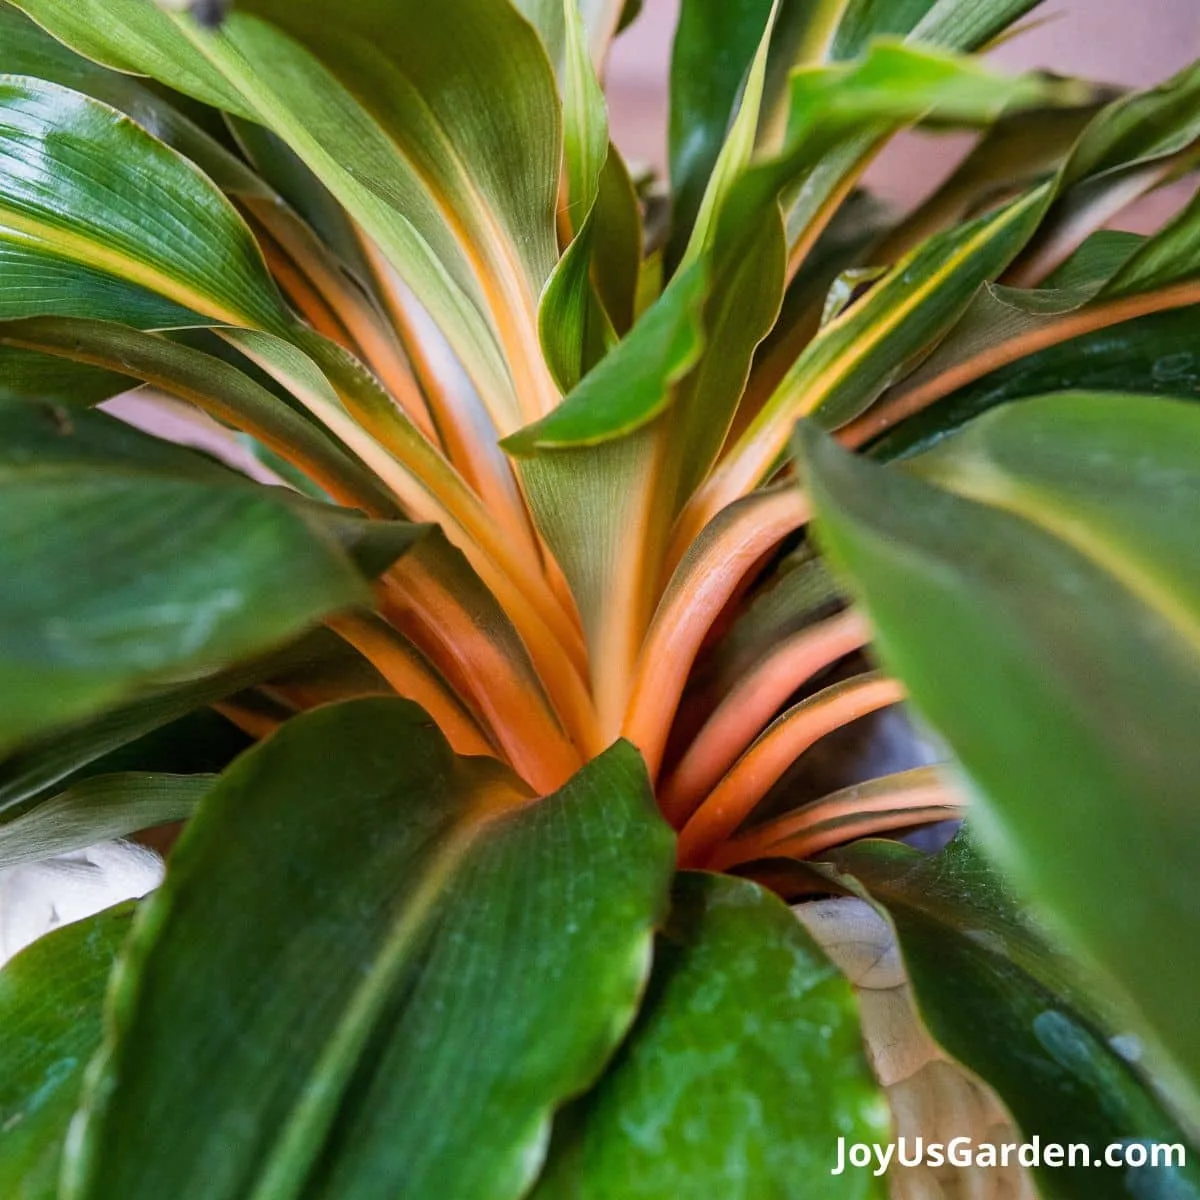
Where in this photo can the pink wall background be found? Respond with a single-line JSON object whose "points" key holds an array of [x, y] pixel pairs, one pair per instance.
{"points": [[1132, 42]]}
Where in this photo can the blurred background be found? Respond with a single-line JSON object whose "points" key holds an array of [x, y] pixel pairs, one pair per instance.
{"points": [[1130, 42]]}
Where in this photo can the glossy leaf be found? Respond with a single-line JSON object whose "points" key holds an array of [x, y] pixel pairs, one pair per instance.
{"points": [[84, 183], [744, 1068], [633, 385], [51, 997], [27, 49], [340, 1013], [136, 38], [460, 203], [1037, 589], [969, 949]]}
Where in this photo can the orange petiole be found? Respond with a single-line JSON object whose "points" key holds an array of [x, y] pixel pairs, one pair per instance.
{"points": [[764, 764], [749, 707]]}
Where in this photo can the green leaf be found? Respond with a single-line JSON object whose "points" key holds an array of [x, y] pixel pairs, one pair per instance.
{"points": [[591, 482], [1152, 354], [1171, 256], [962, 25], [51, 996], [83, 183], [1111, 279], [574, 329], [96, 810], [216, 386], [130, 562], [395, 949], [633, 384], [957, 25], [743, 1070], [716, 40], [715, 43], [585, 119], [168, 730], [279, 165], [969, 950], [858, 355], [137, 38], [1131, 146], [1040, 598], [26, 49], [617, 260], [399, 116], [1017, 151], [26, 375], [602, 20]]}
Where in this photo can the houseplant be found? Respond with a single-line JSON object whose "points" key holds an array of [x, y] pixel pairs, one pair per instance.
{"points": [[539, 618]]}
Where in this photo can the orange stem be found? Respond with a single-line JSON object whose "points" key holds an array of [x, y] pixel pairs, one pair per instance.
{"points": [[406, 669], [763, 765], [311, 305], [288, 241], [818, 841], [708, 576], [511, 700], [250, 720], [758, 696], [467, 430], [888, 802]]}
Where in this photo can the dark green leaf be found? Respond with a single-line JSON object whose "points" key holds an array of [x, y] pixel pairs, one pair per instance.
{"points": [[715, 42], [1046, 620], [51, 996], [26, 375], [218, 387], [87, 185], [744, 1068], [394, 949]]}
